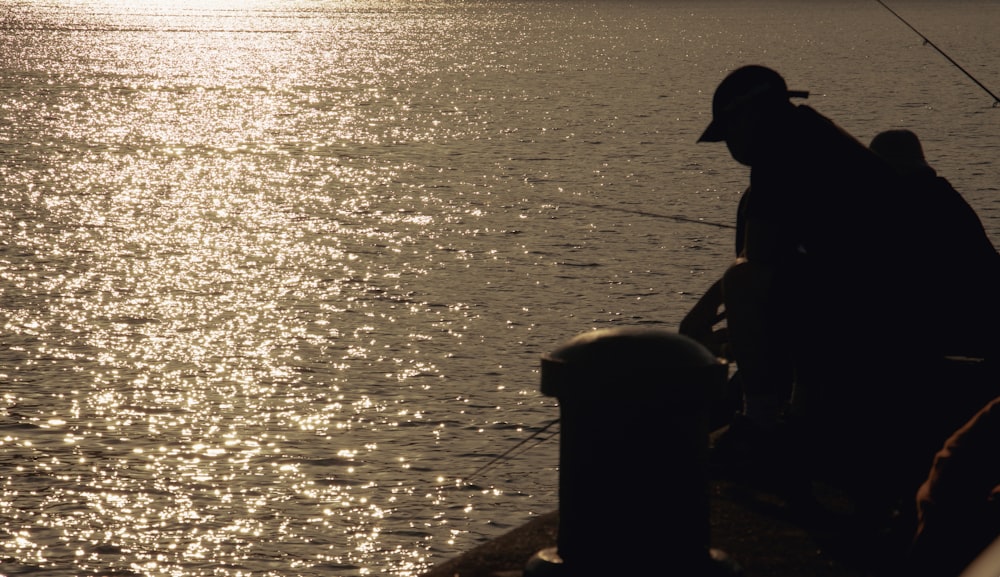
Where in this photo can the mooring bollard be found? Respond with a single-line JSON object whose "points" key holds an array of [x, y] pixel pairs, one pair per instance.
{"points": [[633, 481]]}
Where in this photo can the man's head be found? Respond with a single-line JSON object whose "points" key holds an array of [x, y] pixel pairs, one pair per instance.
{"points": [[901, 149], [744, 97]]}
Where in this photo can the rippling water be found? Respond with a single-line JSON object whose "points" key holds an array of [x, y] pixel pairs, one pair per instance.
{"points": [[275, 276]]}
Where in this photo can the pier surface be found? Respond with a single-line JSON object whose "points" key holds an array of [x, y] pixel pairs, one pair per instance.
{"points": [[759, 532]]}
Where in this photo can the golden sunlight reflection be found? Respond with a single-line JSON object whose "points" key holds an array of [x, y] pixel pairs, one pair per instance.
{"points": [[246, 298]]}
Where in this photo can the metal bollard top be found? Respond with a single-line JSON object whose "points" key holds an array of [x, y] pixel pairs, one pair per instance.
{"points": [[601, 361]]}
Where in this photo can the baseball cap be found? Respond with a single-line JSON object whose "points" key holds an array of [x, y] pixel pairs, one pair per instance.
{"points": [[748, 84]]}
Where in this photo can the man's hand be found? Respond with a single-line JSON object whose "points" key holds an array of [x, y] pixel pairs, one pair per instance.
{"points": [[700, 322]]}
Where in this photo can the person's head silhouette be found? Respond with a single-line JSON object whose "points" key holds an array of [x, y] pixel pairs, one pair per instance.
{"points": [[746, 98], [901, 149]]}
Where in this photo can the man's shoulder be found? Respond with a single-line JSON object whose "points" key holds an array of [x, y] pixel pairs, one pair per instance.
{"points": [[808, 113], [814, 122]]}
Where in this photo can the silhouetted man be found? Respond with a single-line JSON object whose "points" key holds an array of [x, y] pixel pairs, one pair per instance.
{"points": [[823, 298], [967, 265]]}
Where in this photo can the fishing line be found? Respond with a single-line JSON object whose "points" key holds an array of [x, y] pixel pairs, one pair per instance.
{"points": [[678, 218], [996, 99], [508, 452], [538, 442]]}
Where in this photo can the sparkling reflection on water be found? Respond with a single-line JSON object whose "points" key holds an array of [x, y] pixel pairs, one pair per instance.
{"points": [[275, 276]]}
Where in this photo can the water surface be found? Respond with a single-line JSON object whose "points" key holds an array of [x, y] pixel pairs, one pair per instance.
{"points": [[275, 276]]}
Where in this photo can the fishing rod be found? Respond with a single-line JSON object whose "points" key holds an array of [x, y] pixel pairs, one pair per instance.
{"points": [[996, 99]]}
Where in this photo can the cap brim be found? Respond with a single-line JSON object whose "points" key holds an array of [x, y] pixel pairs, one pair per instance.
{"points": [[714, 133]]}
